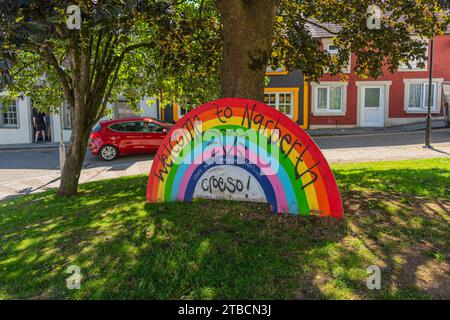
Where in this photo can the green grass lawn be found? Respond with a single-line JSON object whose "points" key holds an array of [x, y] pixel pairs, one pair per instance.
{"points": [[396, 217]]}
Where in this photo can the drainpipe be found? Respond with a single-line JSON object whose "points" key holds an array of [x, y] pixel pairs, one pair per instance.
{"points": [[430, 92]]}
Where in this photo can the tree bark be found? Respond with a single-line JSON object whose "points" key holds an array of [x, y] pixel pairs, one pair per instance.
{"points": [[248, 27], [75, 155]]}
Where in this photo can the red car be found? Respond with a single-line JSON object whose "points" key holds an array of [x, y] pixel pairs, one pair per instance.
{"points": [[109, 139]]}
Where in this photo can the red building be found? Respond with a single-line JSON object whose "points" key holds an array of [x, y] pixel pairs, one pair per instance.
{"points": [[398, 98], [394, 99]]}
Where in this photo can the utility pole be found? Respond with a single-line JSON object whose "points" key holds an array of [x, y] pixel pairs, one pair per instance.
{"points": [[62, 147], [430, 93]]}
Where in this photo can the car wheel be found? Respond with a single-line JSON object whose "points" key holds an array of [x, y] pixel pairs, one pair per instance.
{"points": [[108, 153]]}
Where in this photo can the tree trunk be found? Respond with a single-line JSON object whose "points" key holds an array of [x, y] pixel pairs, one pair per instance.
{"points": [[80, 116], [248, 27], [81, 104], [75, 155]]}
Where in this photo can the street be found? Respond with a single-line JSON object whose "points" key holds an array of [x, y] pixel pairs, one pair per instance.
{"points": [[27, 171]]}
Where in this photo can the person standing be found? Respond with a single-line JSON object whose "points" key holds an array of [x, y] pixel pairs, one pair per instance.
{"points": [[39, 125], [48, 130]]}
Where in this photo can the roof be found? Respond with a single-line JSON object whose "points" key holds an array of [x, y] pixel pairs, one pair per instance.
{"points": [[130, 119], [327, 30], [319, 30]]}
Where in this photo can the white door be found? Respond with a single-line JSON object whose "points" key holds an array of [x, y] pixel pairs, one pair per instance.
{"points": [[372, 106]]}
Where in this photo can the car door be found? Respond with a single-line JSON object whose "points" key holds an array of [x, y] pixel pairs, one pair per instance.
{"points": [[142, 141], [155, 134], [125, 136]]}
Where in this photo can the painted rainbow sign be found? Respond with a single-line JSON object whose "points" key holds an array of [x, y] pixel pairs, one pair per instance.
{"points": [[241, 149]]}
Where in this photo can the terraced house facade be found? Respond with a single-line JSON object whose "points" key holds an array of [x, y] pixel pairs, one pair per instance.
{"points": [[397, 98]]}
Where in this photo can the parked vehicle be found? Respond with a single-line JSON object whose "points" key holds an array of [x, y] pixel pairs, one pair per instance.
{"points": [[114, 138]]}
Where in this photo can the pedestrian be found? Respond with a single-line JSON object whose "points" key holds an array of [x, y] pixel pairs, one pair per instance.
{"points": [[48, 130], [39, 125]]}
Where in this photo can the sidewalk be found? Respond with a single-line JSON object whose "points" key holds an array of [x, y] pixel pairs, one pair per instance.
{"points": [[29, 146], [386, 153], [437, 124], [37, 183]]}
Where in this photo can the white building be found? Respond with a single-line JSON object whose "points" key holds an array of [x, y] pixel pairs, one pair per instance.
{"points": [[16, 120]]}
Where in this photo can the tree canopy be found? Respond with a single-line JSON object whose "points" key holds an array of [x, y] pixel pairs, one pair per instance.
{"points": [[175, 50], [389, 45], [183, 55], [88, 67]]}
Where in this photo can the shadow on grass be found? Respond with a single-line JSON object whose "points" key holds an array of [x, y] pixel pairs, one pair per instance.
{"points": [[431, 182], [401, 233], [221, 250]]}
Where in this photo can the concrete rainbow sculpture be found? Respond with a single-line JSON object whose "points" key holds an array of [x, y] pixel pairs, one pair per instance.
{"points": [[241, 149]]}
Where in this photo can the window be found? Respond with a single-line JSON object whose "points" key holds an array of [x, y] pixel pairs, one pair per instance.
{"points": [[372, 97], [9, 116], [276, 71], [417, 97], [184, 109], [333, 50], [414, 63], [282, 101], [270, 99], [125, 127], [329, 99], [149, 127], [123, 110]]}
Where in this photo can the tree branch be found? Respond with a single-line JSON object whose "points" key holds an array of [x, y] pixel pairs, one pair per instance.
{"points": [[115, 65], [24, 66], [319, 26], [66, 81], [137, 46], [94, 66]]}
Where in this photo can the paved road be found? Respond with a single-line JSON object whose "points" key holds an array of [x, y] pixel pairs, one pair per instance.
{"points": [[28, 171], [25, 171], [382, 140], [18, 164]]}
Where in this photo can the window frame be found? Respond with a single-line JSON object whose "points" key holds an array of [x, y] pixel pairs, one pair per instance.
{"points": [[332, 52], [326, 43], [436, 107], [277, 101], [328, 86], [8, 112]]}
